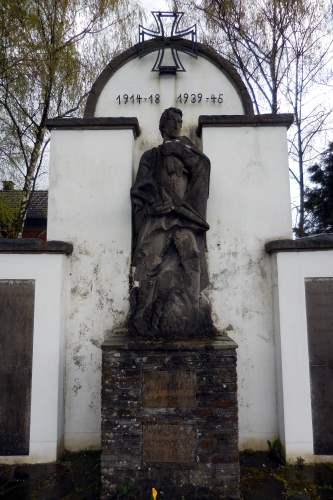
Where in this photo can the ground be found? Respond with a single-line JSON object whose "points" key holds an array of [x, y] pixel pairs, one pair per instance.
{"points": [[76, 477]]}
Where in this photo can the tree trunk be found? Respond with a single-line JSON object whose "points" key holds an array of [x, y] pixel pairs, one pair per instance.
{"points": [[29, 180], [300, 229]]}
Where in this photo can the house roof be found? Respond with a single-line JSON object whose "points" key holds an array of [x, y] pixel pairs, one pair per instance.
{"points": [[38, 203]]}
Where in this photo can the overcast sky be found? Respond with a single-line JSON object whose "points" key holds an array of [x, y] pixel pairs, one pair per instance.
{"points": [[150, 5]]}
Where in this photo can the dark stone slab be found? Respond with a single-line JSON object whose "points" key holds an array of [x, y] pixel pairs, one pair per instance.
{"points": [[265, 120], [169, 390], [318, 242], [161, 430], [319, 307], [34, 245], [16, 338], [119, 340], [168, 443], [116, 123]]}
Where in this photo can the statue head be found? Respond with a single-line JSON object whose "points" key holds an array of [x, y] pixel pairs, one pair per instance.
{"points": [[171, 123]]}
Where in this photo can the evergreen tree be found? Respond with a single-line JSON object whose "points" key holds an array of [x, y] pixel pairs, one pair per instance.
{"points": [[319, 198]]}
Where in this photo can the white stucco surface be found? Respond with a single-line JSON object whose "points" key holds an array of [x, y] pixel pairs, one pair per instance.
{"points": [[290, 271], [136, 78], [47, 415], [249, 204], [89, 205], [91, 173]]}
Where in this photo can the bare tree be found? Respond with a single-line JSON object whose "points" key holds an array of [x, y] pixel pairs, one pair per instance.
{"points": [[46, 70], [308, 60], [282, 49]]}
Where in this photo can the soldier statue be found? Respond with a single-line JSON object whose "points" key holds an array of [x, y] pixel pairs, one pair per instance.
{"points": [[169, 201]]}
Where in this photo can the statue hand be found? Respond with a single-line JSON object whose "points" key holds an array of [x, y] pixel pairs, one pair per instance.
{"points": [[173, 148], [163, 208]]}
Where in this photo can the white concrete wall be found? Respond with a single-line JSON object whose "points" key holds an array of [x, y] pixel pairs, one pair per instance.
{"points": [[91, 173], [290, 271], [249, 204], [89, 205], [47, 416]]}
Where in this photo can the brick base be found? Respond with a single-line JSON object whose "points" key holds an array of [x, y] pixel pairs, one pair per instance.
{"points": [[169, 419]]}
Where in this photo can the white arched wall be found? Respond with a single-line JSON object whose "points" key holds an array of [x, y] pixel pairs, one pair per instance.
{"points": [[89, 205], [136, 78]]}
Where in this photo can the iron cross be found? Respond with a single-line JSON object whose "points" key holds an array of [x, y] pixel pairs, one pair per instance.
{"points": [[168, 34]]}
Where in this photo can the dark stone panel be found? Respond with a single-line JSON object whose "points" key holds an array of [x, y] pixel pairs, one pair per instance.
{"points": [[183, 438], [165, 389], [167, 443], [318, 242], [285, 119], [319, 306], [34, 245], [16, 340]]}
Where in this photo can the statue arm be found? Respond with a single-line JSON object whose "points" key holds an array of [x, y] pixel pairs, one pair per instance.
{"points": [[198, 166], [143, 190]]}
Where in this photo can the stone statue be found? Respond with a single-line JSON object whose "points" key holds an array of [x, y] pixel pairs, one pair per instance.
{"points": [[169, 200]]}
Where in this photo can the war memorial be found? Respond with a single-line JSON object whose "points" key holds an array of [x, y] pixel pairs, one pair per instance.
{"points": [[170, 319]]}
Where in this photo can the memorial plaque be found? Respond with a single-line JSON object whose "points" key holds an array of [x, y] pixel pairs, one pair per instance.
{"points": [[16, 336], [169, 389], [169, 443], [319, 305]]}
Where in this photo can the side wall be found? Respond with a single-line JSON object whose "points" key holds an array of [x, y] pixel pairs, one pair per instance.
{"points": [[249, 204], [290, 271], [89, 205], [47, 405]]}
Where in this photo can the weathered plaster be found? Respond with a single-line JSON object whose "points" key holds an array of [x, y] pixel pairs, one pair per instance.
{"points": [[90, 178], [248, 203]]}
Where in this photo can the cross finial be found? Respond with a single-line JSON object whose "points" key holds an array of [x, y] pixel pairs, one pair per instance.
{"points": [[168, 33]]}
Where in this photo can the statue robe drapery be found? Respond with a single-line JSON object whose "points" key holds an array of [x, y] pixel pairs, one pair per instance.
{"points": [[169, 202]]}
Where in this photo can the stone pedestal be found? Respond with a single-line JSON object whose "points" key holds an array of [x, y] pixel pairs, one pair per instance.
{"points": [[169, 418]]}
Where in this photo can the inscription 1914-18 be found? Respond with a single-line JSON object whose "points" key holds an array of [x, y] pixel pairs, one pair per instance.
{"points": [[169, 389], [183, 98], [169, 443]]}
